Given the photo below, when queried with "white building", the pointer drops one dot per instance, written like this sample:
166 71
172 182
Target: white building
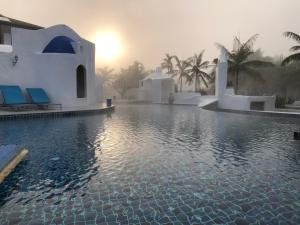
237 102
156 88
55 58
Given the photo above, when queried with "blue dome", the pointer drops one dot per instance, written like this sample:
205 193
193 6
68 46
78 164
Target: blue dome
60 44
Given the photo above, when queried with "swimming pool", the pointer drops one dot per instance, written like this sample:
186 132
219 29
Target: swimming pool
153 164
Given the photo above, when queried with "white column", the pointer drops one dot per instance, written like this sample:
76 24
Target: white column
221 74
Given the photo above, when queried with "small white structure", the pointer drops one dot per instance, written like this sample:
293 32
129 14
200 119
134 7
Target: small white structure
156 87
55 58
237 102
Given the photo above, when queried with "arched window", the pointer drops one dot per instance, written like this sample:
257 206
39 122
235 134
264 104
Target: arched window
60 44
81 82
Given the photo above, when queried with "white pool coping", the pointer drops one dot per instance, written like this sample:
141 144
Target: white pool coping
6 114
277 113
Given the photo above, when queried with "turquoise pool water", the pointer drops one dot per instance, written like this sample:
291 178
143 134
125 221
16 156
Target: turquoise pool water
153 164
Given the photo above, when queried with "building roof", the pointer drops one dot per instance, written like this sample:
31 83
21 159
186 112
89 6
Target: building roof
157 76
18 23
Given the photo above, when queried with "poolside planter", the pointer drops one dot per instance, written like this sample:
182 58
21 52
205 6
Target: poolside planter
108 102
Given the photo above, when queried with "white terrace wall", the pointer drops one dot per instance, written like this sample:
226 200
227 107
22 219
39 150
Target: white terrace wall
55 72
239 102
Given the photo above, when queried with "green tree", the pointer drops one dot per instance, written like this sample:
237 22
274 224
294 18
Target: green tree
296 48
107 75
129 78
239 60
120 84
197 71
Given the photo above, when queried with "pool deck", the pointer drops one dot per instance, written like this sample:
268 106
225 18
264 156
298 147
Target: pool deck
65 111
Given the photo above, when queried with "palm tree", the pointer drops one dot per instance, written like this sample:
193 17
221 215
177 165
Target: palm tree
197 73
296 48
168 64
239 62
181 71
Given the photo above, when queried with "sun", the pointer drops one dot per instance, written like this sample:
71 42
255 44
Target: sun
108 46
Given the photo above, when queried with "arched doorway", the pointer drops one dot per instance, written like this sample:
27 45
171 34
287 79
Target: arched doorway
81 82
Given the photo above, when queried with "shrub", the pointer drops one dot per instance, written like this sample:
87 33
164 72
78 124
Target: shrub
280 102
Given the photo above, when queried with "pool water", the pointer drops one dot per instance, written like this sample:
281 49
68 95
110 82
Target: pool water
153 164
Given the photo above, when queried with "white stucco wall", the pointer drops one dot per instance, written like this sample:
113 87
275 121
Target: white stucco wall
239 102
168 87
221 79
55 72
155 90
144 92
231 101
187 98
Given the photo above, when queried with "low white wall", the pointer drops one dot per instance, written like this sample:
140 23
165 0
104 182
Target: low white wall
6 48
154 90
206 100
240 102
187 98
167 87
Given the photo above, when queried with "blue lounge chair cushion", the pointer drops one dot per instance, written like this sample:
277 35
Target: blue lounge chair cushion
12 95
38 95
8 153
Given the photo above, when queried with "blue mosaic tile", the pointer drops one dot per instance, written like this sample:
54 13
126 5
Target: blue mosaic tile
152 164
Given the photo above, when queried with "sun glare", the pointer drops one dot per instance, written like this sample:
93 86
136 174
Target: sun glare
108 46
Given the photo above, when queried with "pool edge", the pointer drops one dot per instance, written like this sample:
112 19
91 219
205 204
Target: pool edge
55 114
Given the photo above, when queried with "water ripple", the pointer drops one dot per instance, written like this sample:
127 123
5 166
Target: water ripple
156 164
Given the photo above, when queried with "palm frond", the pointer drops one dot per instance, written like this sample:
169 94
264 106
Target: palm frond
177 60
292 35
295 48
220 46
189 80
249 43
205 65
215 61
257 63
205 75
199 57
290 59
237 43
204 81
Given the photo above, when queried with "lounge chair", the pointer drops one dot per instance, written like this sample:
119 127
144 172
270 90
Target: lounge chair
13 98
10 157
40 98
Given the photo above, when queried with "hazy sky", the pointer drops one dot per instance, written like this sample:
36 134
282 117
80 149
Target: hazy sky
148 29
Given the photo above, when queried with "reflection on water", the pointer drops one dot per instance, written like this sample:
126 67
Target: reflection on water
61 156
157 163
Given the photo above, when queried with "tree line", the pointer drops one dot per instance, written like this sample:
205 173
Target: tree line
242 59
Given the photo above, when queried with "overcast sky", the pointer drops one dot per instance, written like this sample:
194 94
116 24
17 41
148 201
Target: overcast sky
150 28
